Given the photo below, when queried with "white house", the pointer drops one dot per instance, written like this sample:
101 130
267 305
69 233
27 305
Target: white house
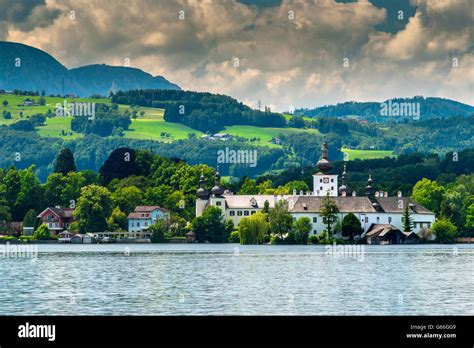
373 209
145 216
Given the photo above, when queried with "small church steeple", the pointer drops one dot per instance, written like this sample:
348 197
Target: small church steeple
369 190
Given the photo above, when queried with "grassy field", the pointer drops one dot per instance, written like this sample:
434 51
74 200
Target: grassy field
264 134
367 154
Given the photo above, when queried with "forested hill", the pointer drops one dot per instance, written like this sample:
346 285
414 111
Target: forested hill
24 67
429 108
202 111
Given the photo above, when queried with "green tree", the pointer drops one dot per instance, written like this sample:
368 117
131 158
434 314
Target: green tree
117 220
249 187
158 231
301 229
265 187
5 103
280 219
65 162
351 226
127 198
445 231
429 194
53 189
407 220
329 212
296 185
253 229
93 208
42 233
30 218
210 226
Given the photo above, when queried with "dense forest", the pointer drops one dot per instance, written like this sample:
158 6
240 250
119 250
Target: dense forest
202 111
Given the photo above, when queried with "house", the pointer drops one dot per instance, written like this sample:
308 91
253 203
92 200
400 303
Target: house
65 237
389 234
375 207
27 102
145 216
81 239
56 218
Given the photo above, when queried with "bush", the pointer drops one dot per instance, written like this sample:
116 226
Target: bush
42 233
26 238
8 238
234 237
444 230
266 239
313 239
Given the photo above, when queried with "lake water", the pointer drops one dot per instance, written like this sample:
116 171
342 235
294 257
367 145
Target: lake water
230 279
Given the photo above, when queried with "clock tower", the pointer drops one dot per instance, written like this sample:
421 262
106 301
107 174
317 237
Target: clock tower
323 181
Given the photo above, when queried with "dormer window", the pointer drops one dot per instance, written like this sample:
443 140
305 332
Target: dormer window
305 207
253 202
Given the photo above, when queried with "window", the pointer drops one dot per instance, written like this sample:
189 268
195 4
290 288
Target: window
239 212
253 212
389 219
332 180
218 203
315 219
366 219
332 187
146 223
315 231
320 180
232 213
246 213
378 219
138 224
133 225
321 188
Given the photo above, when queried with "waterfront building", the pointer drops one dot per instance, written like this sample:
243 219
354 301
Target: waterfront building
56 218
144 216
373 209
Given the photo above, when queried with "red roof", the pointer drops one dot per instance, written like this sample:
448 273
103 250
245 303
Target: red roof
149 208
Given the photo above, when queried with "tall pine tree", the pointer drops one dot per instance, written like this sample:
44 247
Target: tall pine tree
65 162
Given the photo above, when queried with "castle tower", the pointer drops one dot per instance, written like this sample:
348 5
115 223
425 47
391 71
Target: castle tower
344 189
217 191
323 181
203 196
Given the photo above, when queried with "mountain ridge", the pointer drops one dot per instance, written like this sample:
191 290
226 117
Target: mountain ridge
25 67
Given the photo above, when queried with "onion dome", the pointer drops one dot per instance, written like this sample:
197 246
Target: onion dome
369 189
202 192
324 165
343 188
217 190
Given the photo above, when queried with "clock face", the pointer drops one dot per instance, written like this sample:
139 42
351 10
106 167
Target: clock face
326 180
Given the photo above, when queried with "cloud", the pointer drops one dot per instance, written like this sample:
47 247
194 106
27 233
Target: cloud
290 52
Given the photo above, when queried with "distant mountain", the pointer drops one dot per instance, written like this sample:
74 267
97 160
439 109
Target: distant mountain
27 68
428 108
103 78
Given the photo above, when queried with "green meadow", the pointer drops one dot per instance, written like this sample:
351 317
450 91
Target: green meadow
367 154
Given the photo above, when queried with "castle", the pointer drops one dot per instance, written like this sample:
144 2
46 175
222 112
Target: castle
378 213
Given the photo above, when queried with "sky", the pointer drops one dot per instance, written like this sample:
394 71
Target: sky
286 53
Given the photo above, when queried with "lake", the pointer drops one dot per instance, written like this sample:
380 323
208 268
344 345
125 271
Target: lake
231 279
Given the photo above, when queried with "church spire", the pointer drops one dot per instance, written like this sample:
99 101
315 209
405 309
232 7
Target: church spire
324 165
369 190
217 190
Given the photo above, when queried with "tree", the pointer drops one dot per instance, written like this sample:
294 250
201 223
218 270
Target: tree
329 212
5 103
407 220
351 226
30 218
41 101
249 187
158 231
445 231
120 164
429 194
117 220
65 162
42 233
210 226
53 189
301 229
280 219
127 198
253 229
296 185
93 208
